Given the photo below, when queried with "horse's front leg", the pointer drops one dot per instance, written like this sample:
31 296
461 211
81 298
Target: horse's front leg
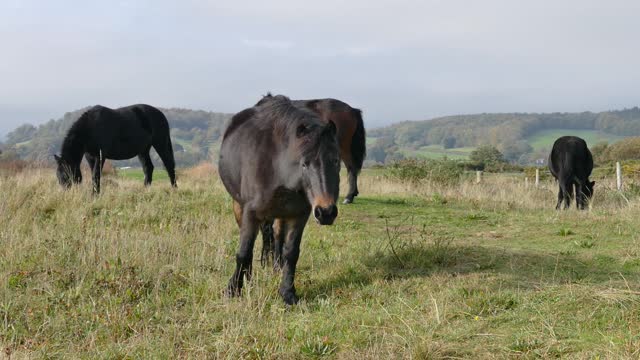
290 254
244 257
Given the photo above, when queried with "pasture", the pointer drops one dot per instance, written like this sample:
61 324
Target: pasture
408 271
544 139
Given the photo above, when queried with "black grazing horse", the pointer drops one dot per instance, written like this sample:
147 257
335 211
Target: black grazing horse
118 134
571 163
278 162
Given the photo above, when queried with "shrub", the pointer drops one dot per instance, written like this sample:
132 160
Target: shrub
442 172
487 155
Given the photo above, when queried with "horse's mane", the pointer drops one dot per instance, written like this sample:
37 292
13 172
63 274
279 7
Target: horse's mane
280 110
285 118
72 143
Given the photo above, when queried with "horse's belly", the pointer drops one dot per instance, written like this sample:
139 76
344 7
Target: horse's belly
124 147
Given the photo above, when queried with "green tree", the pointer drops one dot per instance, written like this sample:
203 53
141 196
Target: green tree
486 155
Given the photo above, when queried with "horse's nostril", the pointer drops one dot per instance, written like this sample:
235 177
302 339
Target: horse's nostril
317 212
332 212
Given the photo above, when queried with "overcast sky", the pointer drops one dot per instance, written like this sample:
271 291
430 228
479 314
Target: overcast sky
397 60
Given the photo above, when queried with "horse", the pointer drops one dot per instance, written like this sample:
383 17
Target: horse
279 163
118 134
571 163
352 144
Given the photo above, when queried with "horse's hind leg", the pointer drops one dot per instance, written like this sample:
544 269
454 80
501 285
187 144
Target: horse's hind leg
353 185
147 167
237 212
244 257
581 198
165 151
279 234
92 160
267 242
560 197
567 193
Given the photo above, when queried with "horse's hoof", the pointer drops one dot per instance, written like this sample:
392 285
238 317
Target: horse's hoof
232 291
347 201
290 298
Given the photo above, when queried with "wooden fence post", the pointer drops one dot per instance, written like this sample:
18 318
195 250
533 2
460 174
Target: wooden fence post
526 182
478 177
537 177
618 176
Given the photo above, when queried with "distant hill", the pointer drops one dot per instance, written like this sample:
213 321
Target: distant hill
195 134
522 137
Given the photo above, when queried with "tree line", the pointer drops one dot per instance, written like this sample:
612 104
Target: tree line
197 134
507 132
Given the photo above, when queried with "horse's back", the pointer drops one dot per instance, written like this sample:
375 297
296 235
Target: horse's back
125 132
570 156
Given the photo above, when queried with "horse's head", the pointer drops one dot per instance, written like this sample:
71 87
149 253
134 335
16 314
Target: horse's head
67 173
587 189
319 163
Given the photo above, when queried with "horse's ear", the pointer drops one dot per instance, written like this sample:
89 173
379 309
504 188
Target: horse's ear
302 130
331 127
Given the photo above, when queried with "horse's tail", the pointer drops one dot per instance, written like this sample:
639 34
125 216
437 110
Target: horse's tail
166 134
358 142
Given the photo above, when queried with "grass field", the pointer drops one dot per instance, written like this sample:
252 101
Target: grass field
544 139
159 174
408 271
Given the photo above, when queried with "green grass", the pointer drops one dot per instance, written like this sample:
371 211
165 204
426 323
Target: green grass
477 271
438 152
544 139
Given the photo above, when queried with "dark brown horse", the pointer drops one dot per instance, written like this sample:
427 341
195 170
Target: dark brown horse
350 132
279 163
352 144
118 134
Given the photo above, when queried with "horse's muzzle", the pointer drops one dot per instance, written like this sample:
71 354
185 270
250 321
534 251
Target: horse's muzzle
325 215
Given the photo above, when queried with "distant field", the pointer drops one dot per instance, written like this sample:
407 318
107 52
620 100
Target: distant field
186 144
544 139
438 152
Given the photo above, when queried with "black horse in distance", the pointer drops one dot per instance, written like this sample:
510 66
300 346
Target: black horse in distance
117 134
571 163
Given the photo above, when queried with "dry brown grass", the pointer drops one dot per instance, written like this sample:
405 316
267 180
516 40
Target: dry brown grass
203 171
